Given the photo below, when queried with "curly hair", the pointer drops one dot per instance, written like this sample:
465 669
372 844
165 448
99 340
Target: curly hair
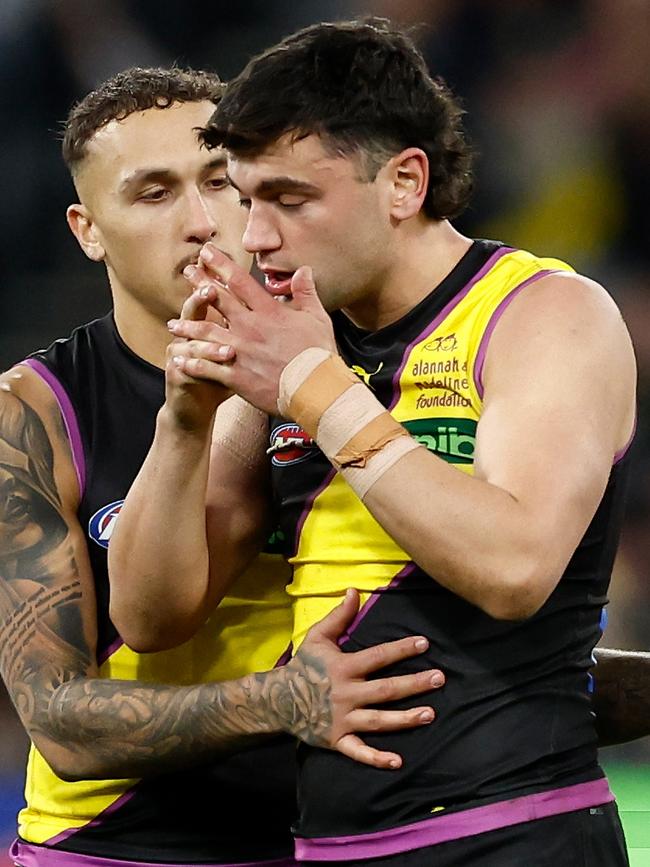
136 89
365 89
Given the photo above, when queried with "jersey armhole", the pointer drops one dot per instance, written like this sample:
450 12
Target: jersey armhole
69 418
492 323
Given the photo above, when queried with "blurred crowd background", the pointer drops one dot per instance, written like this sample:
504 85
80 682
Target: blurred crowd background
558 108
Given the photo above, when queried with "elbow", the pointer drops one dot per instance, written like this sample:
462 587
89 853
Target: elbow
143 634
521 593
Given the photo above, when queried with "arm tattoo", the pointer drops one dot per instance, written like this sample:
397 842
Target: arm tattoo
42 640
109 727
138 728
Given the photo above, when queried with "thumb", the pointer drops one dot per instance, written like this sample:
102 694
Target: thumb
337 621
303 290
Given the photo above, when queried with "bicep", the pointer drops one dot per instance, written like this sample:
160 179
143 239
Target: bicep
47 605
559 403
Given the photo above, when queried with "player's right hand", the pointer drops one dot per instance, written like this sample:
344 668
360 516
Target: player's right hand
190 401
333 699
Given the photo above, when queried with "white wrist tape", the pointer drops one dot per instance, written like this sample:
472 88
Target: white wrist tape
242 430
347 421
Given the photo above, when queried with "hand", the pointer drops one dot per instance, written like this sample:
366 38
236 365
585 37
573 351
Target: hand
263 335
331 694
192 402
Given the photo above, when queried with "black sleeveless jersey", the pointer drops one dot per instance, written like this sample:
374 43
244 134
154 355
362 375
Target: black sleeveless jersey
513 737
238 809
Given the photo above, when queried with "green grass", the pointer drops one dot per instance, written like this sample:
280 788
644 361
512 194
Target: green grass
631 785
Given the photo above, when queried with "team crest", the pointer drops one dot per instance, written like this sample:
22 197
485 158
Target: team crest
102 523
289 445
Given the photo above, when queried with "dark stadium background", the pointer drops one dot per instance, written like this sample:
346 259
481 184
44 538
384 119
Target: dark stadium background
558 100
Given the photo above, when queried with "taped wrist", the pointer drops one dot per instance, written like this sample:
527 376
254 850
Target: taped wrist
360 437
242 430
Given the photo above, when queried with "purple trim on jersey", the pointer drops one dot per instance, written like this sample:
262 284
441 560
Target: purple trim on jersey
454 826
286 656
30 855
107 652
371 601
622 452
99 818
496 315
446 310
69 418
308 507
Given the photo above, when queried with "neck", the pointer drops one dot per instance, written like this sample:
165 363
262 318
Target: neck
144 333
426 252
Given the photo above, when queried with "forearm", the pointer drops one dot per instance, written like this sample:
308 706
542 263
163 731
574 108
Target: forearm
475 538
621 695
159 547
98 728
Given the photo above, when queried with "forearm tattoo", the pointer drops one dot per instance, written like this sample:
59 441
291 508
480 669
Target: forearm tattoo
109 727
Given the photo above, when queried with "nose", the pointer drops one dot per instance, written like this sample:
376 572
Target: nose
201 225
261 234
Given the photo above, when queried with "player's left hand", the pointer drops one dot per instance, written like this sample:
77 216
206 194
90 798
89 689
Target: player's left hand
262 335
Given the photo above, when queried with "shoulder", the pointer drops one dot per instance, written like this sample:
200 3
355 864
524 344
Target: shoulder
564 305
32 430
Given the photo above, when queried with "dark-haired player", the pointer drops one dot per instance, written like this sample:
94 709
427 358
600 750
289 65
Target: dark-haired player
469 483
127 762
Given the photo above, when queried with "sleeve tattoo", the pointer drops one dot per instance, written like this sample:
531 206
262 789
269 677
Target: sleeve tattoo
98 727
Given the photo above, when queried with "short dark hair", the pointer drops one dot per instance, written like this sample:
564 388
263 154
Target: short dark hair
365 89
136 89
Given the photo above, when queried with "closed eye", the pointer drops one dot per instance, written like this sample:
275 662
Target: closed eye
155 195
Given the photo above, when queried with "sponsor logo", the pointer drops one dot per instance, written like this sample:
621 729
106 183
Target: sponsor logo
363 374
102 523
447 343
289 445
453 439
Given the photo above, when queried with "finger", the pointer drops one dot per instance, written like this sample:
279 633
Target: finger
353 747
204 368
337 621
238 281
399 686
303 291
196 304
208 332
380 655
369 720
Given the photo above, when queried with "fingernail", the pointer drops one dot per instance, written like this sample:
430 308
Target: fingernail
172 324
177 359
204 291
437 679
393 763
426 716
206 254
223 351
421 644
189 271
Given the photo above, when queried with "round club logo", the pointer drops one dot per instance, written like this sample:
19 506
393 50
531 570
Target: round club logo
100 526
290 444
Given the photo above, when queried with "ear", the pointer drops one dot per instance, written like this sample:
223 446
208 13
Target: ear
410 180
85 231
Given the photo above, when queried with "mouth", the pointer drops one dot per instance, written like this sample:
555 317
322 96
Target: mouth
278 283
187 260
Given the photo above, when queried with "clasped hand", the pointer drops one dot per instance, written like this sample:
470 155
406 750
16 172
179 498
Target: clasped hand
247 352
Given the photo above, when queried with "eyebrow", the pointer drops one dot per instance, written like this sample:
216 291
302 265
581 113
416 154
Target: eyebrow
154 173
282 184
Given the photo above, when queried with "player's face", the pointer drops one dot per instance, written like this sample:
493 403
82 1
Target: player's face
306 207
155 197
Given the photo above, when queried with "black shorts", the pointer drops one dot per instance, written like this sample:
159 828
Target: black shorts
584 838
